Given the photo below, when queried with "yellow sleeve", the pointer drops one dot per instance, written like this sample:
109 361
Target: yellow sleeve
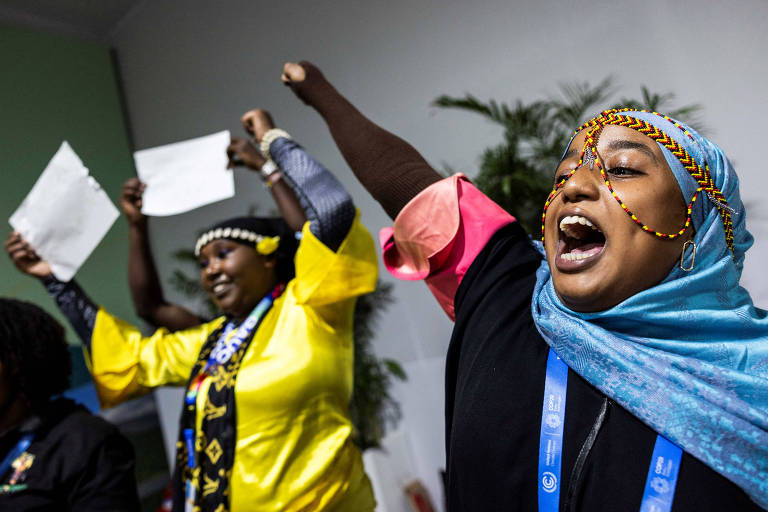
324 276
125 364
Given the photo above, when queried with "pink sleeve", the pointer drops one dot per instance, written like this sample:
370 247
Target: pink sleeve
438 234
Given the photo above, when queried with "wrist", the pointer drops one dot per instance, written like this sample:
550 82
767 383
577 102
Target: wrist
138 224
51 283
268 138
273 178
269 172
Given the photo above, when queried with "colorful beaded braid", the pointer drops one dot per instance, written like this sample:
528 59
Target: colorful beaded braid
701 175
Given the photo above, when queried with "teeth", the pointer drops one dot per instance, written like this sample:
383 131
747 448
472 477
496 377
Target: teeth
217 288
575 219
576 256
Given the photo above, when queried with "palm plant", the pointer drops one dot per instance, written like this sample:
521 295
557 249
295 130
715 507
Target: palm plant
517 173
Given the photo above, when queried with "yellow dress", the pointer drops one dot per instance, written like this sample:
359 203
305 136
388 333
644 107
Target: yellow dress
294 450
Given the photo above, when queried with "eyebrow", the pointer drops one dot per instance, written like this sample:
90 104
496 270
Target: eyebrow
568 154
615 146
628 144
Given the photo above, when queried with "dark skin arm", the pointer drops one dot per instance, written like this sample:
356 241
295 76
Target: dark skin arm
388 167
146 291
24 257
243 152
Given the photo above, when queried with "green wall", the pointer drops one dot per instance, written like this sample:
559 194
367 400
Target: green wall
54 89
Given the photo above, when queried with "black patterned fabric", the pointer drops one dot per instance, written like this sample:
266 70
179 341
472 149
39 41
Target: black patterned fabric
75 304
327 205
216 440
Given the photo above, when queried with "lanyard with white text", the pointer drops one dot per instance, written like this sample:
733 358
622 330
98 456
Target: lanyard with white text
551 437
225 346
15 453
662 472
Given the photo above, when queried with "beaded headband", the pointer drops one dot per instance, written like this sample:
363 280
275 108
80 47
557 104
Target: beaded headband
700 174
264 245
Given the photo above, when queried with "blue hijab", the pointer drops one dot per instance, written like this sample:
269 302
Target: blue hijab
689 356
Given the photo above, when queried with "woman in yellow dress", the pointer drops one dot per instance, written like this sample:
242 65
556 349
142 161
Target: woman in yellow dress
265 424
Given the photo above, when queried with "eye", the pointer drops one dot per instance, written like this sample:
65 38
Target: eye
622 171
202 263
223 252
560 175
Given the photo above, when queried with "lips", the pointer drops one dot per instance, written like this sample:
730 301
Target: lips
580 243
221 288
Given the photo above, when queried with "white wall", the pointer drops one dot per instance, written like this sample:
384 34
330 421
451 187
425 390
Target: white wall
191 68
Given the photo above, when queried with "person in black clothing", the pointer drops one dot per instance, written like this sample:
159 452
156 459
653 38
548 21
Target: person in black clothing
666 382
56 456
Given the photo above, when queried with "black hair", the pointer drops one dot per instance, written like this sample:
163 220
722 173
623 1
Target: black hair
33 352
267 226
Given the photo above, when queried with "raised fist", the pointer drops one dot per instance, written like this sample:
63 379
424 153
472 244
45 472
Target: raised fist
24 256
305 80
243 152
130 200
257 122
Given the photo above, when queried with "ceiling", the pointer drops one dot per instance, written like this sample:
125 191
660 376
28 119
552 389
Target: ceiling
90 20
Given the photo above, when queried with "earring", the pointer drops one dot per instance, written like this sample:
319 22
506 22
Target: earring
693 255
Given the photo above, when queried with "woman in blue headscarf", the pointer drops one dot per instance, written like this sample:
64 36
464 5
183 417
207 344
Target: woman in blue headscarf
615 365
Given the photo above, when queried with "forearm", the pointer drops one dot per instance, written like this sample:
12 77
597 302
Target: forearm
288 204
75 305
142 274
144 282
387 166
324 200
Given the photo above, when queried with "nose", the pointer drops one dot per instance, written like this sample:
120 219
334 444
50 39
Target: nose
212 270
583 185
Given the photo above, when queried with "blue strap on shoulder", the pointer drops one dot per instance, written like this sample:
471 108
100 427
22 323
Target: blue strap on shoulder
662 476
551 437
15 453
662 472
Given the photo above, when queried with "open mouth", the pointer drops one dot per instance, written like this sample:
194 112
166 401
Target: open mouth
580 241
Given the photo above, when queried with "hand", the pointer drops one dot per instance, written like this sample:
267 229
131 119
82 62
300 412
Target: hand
257 122
305 80
293 73
243 152
24 256
131 199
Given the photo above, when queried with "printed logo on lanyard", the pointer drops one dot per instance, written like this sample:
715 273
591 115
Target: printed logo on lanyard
227 346
662 472
551 438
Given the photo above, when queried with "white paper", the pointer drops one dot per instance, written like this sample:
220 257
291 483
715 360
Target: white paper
65 215
185 175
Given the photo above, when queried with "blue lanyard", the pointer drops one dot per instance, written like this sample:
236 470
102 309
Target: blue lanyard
662 476
662 472
226 347
223 350
15 452
551 438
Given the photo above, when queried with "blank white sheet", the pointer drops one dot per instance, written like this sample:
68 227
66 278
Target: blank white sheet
185 175
65 215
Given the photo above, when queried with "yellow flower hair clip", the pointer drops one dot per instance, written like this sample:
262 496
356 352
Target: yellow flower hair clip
268 245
